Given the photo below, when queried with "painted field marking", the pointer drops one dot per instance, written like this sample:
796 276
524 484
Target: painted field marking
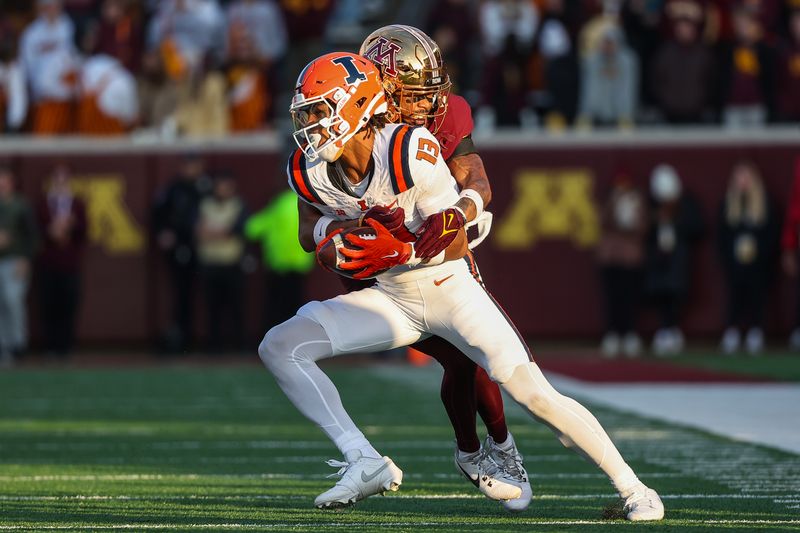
453 496
369 525
195 476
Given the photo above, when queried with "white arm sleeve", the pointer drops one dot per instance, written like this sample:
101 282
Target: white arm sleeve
438 189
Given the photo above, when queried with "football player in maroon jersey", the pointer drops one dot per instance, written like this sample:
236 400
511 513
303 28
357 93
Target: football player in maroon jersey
418 91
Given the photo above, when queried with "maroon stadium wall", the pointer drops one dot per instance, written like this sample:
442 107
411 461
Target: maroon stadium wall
538 260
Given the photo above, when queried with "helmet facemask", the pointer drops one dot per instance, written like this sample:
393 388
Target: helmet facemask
324 123
406 105
317 125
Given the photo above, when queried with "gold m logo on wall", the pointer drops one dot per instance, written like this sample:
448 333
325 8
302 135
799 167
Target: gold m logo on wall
111 224
550 204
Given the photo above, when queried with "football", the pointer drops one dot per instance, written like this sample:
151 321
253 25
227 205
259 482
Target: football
329 256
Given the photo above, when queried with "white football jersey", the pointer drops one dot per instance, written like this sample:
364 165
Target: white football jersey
409 172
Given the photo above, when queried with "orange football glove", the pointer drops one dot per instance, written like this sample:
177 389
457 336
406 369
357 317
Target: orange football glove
393 219
437 232
375 255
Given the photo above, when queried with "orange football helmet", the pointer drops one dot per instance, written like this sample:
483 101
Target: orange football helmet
413 71
335 96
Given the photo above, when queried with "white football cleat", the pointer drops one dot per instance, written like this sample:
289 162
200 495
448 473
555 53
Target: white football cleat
480 470
361 478
643 504
509 462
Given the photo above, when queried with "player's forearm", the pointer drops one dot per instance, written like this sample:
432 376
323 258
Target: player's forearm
469 173
309 218
458 248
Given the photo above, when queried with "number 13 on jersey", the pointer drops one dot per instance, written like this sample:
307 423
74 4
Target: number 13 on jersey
427 150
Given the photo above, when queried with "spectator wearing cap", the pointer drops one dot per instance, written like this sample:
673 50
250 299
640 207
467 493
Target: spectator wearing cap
747 73
675 225
49 58
621 255
220 250
682 73
609 82
747 244
62 217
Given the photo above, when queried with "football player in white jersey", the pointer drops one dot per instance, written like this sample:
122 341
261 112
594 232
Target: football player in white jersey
417 89
349 155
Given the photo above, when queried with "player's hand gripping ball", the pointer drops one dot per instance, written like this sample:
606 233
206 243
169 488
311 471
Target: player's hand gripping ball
362 252
393 219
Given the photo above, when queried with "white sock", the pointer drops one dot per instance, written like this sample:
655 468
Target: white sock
506 444
462 455
356 441
626 485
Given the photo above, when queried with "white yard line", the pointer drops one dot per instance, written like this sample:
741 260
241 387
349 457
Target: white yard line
371 525
789 498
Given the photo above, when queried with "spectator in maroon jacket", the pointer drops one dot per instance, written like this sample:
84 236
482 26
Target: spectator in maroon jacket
682 72
120 34
62 217
747 73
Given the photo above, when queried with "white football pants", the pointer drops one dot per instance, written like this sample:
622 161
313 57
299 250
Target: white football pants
447 301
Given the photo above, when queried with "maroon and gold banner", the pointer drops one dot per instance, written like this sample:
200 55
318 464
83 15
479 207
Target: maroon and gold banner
538 261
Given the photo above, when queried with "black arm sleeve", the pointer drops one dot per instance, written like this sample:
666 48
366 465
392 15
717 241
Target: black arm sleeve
465 147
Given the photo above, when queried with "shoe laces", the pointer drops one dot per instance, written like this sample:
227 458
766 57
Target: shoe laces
509 462
341 465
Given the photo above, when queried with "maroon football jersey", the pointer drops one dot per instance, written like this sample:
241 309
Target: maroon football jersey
456 124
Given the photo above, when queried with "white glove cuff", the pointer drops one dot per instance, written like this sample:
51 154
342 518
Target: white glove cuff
321 228
476 198
436 260
414 260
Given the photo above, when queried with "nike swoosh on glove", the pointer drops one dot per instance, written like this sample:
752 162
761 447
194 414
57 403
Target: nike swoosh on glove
437 232
375 254
393 219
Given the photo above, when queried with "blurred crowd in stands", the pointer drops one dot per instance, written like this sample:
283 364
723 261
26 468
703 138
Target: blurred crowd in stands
211 67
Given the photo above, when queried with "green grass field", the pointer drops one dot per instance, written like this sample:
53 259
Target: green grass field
220 448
